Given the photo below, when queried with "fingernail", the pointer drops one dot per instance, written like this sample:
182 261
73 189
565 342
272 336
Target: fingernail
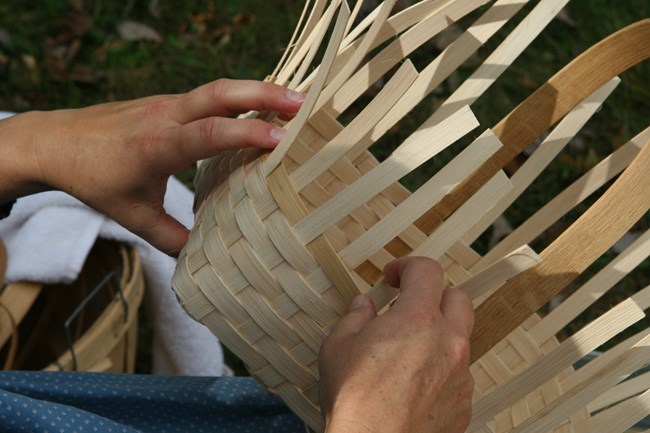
358 301
277 134
294 96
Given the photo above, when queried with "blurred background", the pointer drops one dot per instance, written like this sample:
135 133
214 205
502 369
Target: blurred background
73 53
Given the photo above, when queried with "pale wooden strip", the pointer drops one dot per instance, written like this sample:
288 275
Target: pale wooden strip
593 290
356 58
593 366
501 58
296 287
451 230
566 354
419 202
288 246
288 367
254 231
620 418
404 45
570 197
307 172
317 42
230 335
295 210
352 35
497 274
315 24
463 254
617 210
396 24
416 150
620 392
353 18
438 70
548 105
539 160
393 27
642 298
301 119
292 42
560 409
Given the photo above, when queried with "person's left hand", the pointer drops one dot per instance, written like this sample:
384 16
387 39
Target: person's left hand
117 157
406 370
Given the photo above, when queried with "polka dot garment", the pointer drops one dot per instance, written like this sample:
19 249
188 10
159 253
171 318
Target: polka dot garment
61 402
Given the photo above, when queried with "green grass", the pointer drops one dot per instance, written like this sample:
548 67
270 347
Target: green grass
205 40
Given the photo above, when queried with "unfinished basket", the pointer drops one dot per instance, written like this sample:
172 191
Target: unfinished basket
283 241
89 325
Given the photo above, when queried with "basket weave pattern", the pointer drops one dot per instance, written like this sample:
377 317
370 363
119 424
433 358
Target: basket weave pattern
282 242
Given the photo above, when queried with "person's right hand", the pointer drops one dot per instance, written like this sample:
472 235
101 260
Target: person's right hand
118 157
406 370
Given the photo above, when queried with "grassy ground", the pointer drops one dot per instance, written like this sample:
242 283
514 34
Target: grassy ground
58 53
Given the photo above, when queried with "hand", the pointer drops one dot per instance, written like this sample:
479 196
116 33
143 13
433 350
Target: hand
117 157
406 370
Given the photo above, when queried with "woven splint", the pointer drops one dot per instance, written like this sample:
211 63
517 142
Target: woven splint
283 241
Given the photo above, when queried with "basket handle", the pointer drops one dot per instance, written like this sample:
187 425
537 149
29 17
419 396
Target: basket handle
619 208
576 81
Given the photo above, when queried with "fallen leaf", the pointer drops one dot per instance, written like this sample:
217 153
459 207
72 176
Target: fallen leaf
242 19
134 31
32 67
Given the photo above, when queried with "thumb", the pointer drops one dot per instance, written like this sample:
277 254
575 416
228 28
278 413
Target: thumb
158 228
360 312
169 236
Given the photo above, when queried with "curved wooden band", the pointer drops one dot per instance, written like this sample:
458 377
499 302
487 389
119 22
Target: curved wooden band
579 79
603 224
613 215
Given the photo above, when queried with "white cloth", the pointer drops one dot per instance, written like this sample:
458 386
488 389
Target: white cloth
69 229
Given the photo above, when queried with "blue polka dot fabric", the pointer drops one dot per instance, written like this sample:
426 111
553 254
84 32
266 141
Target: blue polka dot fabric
62 402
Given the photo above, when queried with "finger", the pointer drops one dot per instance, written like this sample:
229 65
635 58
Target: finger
360 312
457 308
158 228
207 137
231 97
420 280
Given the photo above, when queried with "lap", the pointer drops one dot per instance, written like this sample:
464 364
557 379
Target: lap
97 402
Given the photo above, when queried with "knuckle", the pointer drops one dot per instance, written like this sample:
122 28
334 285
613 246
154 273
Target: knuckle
427 262
219 88
150 143
156 106
210 130
459 352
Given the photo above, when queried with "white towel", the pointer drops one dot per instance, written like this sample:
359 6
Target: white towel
69 229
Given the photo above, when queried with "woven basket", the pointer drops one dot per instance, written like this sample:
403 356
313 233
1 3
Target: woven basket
283 241
89 325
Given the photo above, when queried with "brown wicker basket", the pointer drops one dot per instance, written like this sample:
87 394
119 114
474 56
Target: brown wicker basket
89 325
283 241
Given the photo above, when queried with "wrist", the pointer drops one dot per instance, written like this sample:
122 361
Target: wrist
365 420
20 156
